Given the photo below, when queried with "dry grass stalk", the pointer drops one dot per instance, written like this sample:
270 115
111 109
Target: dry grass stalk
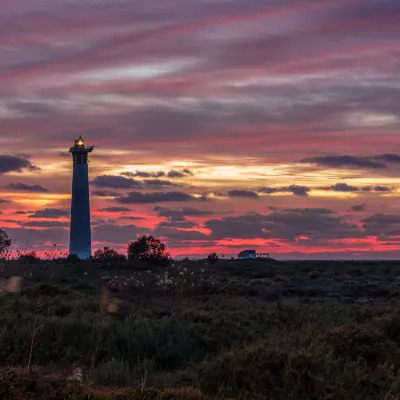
35 331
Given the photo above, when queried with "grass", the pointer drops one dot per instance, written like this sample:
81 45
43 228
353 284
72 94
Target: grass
231 330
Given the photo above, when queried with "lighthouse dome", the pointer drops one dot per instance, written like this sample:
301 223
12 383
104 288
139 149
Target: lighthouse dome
79 141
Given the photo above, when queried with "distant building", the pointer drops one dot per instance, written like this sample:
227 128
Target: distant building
246 254
251 254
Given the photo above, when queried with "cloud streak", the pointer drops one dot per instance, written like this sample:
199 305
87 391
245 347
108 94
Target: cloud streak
28 188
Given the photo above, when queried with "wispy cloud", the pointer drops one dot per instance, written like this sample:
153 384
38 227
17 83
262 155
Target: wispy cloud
27 188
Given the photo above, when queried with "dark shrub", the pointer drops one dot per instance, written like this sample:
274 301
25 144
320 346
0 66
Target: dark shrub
148 249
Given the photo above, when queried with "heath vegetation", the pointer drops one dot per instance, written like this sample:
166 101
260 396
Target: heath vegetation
147 327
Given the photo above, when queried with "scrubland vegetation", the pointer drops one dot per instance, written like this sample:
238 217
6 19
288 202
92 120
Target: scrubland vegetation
199 330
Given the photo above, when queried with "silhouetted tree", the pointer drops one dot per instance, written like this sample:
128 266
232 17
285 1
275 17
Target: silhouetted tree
212 258
148 249
29 257
5 243
107 255
72 258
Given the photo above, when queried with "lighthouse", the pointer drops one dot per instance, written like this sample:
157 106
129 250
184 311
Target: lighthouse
80 239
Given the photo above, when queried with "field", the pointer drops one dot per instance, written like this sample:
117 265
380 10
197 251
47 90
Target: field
230 330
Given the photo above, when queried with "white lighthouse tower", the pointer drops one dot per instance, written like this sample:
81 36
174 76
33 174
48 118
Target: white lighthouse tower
80 239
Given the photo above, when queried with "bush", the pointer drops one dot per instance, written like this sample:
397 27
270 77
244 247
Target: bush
71 259
118 373
184 393
170 343
150 250
5 243
29 258
294 369
107 255
363 344
212 258
16 385
114 373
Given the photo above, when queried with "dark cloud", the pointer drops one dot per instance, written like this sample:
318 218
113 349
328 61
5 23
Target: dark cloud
297 190
46 224
156 197
2 201
173 234
123 182
268 190
343 161
158 183
51 213
179 174
113 234
189 244
115 209
130 217
115 182
181 212
284 224
176 218
177 224
390 158
341 187
144 174
376 189
38 237
380 188
358 207
23 212
242 193
28 188
384 225
367 188
309 211
104 193
15 164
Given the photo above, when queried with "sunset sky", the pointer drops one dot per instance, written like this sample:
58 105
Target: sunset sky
221 125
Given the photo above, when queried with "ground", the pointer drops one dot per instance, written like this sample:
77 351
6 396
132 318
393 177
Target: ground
251 329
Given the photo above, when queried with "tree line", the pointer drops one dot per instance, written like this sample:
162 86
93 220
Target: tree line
146 248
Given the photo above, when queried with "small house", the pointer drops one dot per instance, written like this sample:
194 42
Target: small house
247 254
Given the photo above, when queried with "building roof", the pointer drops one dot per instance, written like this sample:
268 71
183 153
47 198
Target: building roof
247 251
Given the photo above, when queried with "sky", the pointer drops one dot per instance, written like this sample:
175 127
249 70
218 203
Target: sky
221 125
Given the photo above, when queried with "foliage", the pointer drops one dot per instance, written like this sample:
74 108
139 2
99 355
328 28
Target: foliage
16 385
29 257
119 373
148 249
212 258
241 330
5 243
114 373
295 369
107 254
72 258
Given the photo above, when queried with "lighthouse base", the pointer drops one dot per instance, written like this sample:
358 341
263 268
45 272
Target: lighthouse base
80 234
82 255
